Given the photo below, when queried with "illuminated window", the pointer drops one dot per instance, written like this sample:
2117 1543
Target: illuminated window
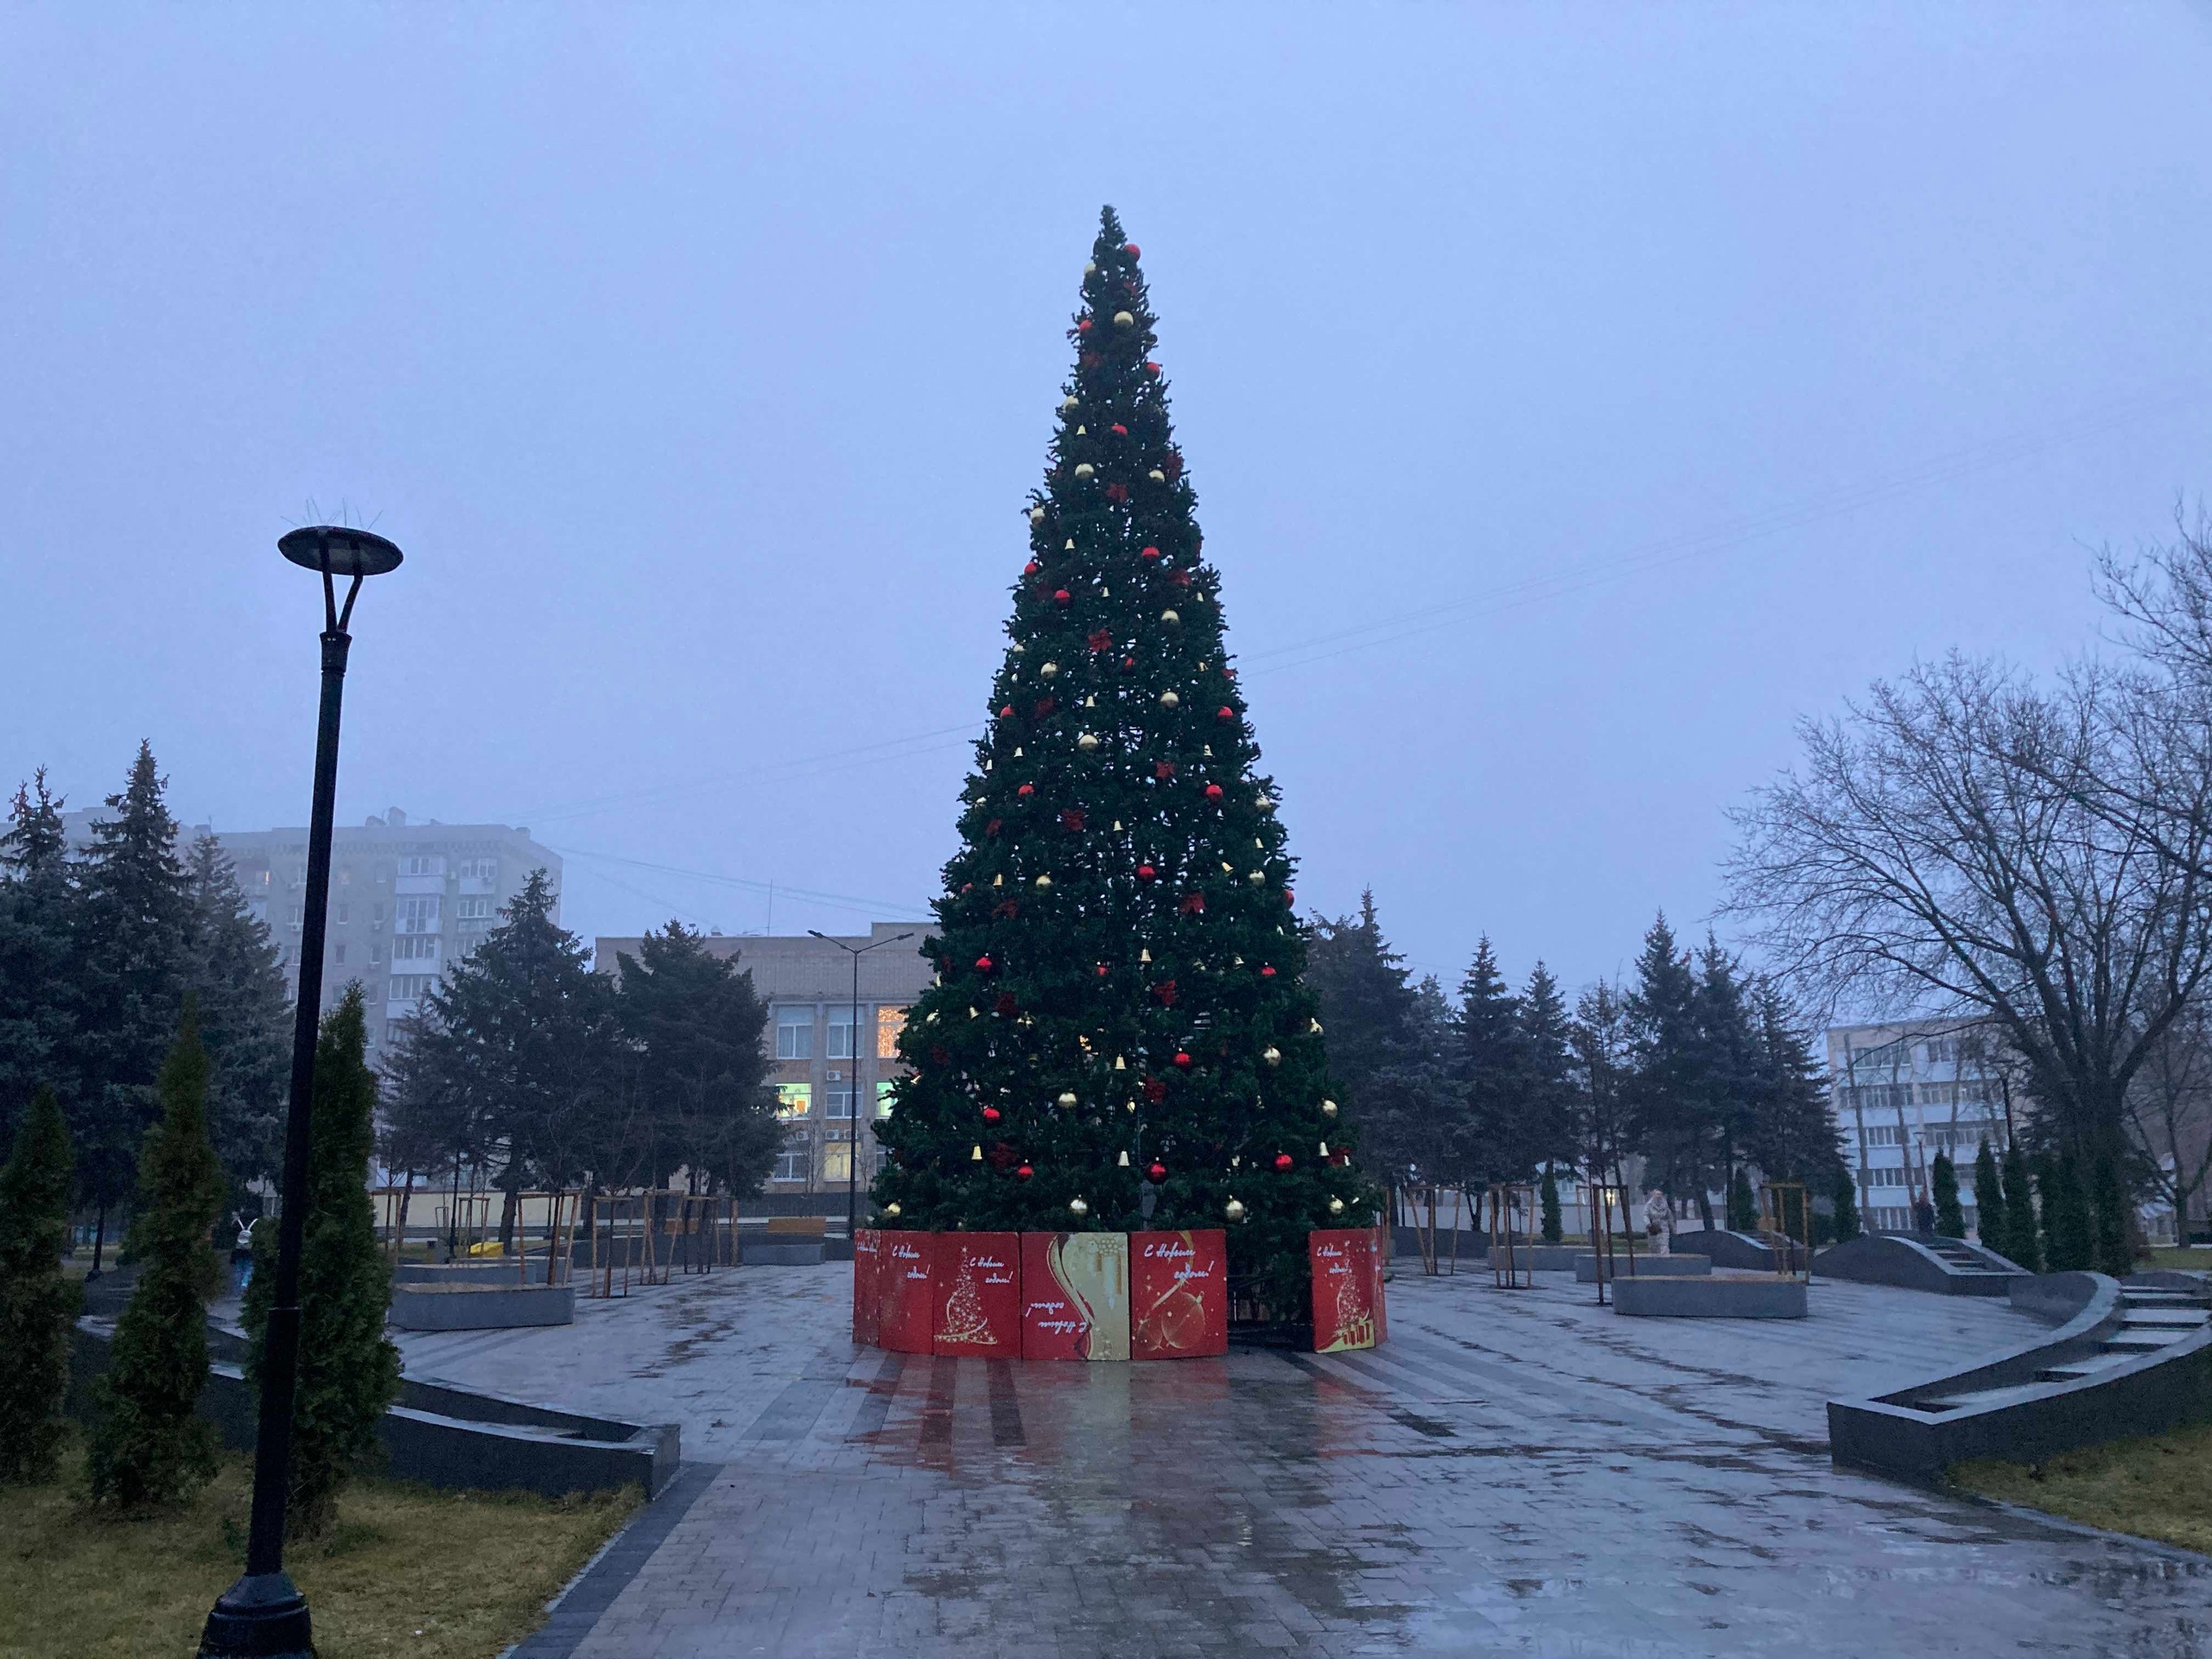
889 1022
794 1034
794 1099
837 1163
883 1098
841 1032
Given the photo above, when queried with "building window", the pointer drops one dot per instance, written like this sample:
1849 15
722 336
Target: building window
794 1034
424 864
883 1098
345 914
841 1032
839 1097
406 987
375 955
345 876
468 909
837 1162
415 947
418 915
889 1022
794 1099
479 869
790 1164
338 954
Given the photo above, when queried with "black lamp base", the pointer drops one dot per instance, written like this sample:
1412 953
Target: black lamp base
263 1616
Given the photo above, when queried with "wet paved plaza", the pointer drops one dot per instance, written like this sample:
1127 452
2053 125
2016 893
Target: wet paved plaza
1513 1473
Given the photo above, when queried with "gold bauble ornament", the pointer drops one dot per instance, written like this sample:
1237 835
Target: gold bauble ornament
1070 402
1043 880
1124 319
1258 877
1067 1096
1050 670
1234 1210
1077 1207
1335 1206
1328 1109
1169 700
1264 804
1083 470
893 1209
1157 476
1091 268
1087 742
1036 515
1171 618
1274 1056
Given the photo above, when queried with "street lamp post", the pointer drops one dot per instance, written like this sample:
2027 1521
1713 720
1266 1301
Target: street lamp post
853 1123
264 1616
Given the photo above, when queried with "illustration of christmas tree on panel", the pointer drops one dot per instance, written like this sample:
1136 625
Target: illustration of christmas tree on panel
1119 1036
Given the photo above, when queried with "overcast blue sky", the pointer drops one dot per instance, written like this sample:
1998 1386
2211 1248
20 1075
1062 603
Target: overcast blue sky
1575 394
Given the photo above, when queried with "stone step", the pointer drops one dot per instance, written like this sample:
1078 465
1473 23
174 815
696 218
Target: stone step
2165 1318
2141 1342
2090 1365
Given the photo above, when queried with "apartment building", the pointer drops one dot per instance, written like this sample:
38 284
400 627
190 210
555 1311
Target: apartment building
831 1076
407 899
1901 1094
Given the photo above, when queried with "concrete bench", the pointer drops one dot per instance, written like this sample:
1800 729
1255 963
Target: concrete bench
790 1242
1647 1267
1710 1298
480 1306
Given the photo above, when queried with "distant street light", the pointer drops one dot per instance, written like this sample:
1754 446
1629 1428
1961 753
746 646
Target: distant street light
264 1616
853 1123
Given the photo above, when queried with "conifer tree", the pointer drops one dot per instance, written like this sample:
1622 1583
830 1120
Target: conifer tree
147 1447
1743 1204
39 959
1989 1201
1493 1071
2110 1219
2066 1245
694 1025
231 962
1121 997
1943 1180
1548 1196
2023 1245
1548 1068
1845 1192
136 925
348 1368
38 1306
1666 1089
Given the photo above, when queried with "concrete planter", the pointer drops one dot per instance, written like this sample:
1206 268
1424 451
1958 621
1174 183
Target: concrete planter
773 1252
466 1273
481 1307
1710 1298
1647 1267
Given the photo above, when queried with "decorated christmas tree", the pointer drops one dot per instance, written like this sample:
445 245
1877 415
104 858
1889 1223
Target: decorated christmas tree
1119 1036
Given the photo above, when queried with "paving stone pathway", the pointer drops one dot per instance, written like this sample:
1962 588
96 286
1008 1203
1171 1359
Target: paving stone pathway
1514 1472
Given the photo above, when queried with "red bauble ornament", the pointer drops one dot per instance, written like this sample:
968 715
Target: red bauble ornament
1145 873
1158 1172
1007 713
1102 970
967 888
984 964
1128 664
1121 431
1181 578
1030 569
1061 596
990 1113
1149 553
1082 325
1026 791
1131 249
1183 1059
1045 706
1213 791
1267 972
1282 1160
1151 367
1024 1173
1288 897
1225 713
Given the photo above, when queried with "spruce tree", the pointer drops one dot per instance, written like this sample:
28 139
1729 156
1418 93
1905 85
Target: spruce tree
2022 1245
39 958
1666 1089
1121 996
231 962
2109 1218
1989 1201
348 1368
1548 1196
1493 1071
1548 1088
1845 1192
147 1447
695 1024
38 1306
133 950
1943 1179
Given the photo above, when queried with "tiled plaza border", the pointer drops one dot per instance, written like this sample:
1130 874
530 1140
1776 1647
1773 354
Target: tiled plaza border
2180 1554
570 1616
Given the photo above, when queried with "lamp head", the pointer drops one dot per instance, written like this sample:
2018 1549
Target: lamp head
342 551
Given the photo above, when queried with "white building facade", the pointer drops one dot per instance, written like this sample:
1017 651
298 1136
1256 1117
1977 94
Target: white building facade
1901 1094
